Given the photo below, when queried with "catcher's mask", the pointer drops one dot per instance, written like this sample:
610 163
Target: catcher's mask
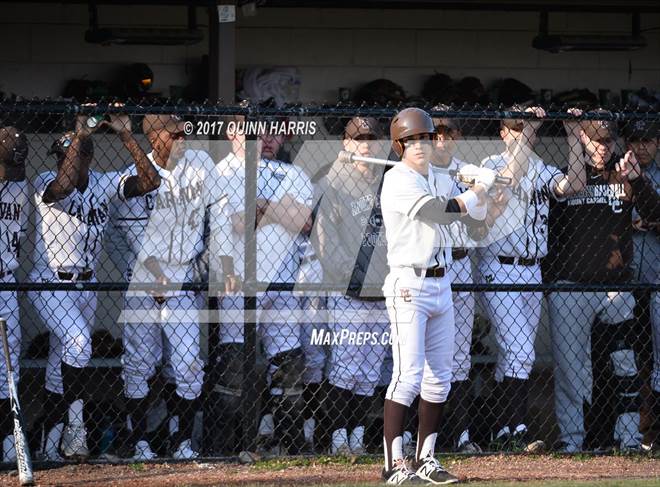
13 152
409 122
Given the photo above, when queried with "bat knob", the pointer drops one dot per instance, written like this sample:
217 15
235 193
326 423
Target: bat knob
345 157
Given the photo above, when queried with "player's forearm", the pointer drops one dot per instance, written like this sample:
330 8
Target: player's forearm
576 176
153 266
290 214
67 174
517 162
148 178
440 211
647 200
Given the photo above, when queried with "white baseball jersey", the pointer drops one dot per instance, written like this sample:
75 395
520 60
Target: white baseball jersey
233 168
13 217
69 233
129 219
411 242
528 210
174 234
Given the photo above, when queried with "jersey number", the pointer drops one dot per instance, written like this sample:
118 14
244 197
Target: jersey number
14 242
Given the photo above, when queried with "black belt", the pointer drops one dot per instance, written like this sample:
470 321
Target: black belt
430 272
517 261
458 253
78 276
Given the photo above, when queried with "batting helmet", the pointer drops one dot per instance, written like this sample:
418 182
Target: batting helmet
61 145
13 152
409 122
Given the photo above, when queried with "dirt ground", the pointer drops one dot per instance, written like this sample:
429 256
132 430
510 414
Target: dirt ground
492 468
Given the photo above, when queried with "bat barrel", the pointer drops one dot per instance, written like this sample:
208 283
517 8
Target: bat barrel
349 157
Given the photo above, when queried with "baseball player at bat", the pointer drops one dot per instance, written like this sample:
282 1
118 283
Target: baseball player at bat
642 138
594 246
164 325
13 217
72 210
515 258
417 209
350 241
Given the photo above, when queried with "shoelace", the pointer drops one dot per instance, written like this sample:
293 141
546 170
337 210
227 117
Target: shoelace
436 464
400 466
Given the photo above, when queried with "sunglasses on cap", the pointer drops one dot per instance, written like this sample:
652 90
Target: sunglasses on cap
365 137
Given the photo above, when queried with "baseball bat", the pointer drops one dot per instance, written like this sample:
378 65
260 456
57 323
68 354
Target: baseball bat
23 460
349 157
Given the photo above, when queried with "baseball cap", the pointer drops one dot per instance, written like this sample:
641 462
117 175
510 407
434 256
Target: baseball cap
451 123
358 126
13 152
641 129
514 123
598 129
158 122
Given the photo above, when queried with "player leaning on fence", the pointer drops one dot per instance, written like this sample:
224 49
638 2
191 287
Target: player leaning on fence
594 245
72 206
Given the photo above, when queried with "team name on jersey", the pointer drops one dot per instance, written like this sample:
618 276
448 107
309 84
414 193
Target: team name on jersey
601 194
538 196
364 203
96 215
10 211
187 194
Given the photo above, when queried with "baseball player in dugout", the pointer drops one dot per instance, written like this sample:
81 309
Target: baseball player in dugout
445 144
350 242
417 209
163 325
284 196
641 137
72 209
14 204
515 258
594 232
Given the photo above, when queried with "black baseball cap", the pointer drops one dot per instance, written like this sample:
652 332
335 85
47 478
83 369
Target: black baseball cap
641 130
13 152
361 126
450 123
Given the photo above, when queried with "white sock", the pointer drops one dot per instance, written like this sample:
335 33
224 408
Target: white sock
397 451
52 441
308 429
173 425
428 447
267 425
356 440
76 413
521 428
339 438
464 438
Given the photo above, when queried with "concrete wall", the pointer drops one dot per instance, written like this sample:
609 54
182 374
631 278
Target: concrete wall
332 48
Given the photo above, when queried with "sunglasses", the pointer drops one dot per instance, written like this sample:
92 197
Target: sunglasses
365 137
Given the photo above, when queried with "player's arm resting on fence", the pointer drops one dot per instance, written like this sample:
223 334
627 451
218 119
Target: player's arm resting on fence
575 179
517 158
147 178
291 209
67 173
645 195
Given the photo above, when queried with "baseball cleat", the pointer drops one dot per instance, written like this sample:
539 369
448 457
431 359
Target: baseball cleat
401 474
143 452
74 442
185 451
469 447
430 470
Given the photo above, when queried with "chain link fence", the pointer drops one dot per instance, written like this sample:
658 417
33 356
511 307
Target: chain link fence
198 280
